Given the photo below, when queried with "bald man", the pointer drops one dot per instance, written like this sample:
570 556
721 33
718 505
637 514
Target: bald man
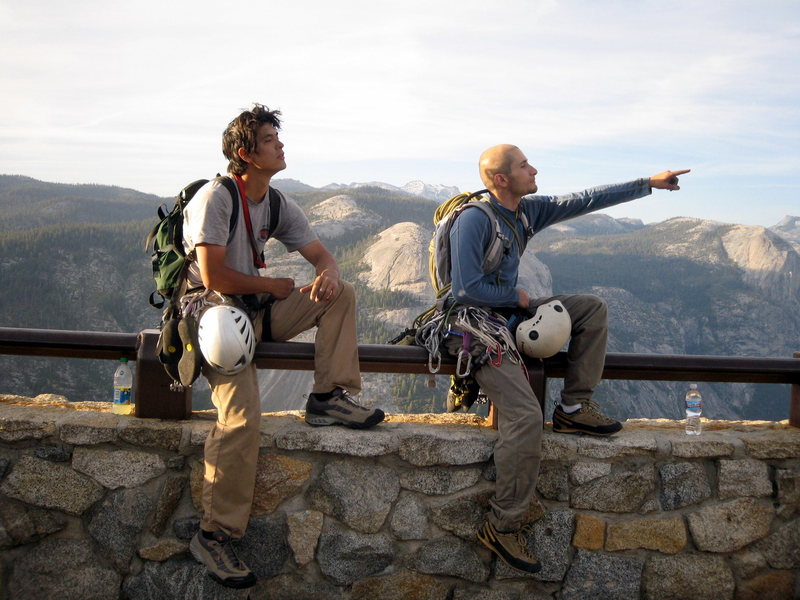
511 180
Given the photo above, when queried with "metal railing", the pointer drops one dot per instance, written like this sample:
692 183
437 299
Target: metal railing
155 399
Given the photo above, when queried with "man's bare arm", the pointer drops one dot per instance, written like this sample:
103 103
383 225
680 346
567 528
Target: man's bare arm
219 277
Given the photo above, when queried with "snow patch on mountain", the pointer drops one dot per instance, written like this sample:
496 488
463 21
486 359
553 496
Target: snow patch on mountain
597 224
436 192
376 184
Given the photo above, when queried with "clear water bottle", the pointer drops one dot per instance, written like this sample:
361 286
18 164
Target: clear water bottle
694 408
123 382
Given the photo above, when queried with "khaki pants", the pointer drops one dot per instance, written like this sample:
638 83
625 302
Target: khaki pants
517 452
231 449
586 354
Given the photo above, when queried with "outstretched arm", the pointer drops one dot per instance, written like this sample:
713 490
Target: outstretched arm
667 180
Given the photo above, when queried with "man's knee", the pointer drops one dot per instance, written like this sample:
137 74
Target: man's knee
347 292
598 306
586 309
526 415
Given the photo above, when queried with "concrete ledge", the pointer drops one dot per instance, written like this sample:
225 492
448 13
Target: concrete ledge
94 501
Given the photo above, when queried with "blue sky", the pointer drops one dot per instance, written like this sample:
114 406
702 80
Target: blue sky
136 94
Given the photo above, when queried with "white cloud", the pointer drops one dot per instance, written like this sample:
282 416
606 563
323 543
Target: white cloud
137 94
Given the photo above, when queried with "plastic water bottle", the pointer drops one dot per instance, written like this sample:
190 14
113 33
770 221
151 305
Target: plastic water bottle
123 382
694 408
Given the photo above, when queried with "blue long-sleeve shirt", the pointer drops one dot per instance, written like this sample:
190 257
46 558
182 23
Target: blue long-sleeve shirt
469 238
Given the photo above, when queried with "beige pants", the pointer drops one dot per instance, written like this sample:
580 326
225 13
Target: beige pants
517 452
231 449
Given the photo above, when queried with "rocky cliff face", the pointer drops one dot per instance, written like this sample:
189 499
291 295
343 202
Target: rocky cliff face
768 262
398 261
789 229
340 215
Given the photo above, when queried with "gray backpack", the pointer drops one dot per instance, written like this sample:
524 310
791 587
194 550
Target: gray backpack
439 262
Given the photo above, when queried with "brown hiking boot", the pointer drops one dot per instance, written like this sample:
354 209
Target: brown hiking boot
512 547
588 419
219 557
340 408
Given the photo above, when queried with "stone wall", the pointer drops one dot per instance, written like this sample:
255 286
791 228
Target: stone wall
97 506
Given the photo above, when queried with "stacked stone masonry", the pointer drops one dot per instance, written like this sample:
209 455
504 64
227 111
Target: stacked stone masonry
99 506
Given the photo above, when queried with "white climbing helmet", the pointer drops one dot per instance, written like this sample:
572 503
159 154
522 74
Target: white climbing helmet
227 339
546 332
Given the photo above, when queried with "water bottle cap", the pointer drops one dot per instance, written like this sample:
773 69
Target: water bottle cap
123 359
692 386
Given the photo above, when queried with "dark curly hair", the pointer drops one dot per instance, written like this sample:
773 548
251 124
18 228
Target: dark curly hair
241 133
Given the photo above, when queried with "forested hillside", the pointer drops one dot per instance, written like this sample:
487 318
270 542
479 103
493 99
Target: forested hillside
26 203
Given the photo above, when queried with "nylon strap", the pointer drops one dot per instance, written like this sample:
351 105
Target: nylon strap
257 262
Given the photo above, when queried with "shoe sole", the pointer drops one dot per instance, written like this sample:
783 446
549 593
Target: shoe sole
594 433
323 421
191 360
237 585
170 348
557 428
509 560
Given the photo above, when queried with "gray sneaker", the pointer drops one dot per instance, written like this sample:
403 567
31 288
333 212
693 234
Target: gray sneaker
220 559
512 547
340 409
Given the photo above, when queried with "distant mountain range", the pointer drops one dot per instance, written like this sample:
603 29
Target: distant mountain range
72 257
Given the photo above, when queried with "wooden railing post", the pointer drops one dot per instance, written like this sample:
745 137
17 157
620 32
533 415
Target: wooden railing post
794 401
153 397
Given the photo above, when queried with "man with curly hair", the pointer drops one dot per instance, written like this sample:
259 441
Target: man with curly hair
231 264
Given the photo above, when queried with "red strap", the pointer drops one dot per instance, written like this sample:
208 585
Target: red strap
257 262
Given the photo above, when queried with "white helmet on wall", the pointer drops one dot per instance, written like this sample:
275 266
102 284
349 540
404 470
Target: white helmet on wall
227 340
546 332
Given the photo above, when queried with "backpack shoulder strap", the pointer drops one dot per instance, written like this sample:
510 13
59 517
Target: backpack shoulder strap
274 209
230 185
495 251
485 207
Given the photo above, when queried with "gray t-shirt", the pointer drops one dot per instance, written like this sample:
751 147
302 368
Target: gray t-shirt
207 217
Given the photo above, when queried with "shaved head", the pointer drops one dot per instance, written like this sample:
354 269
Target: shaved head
497 159
506 173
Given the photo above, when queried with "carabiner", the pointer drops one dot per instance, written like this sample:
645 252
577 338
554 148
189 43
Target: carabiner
438 366
498 352
461 355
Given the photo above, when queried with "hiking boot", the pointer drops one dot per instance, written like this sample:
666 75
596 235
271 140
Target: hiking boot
587 419
463 393
512 547
191 360
340 408
219 557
